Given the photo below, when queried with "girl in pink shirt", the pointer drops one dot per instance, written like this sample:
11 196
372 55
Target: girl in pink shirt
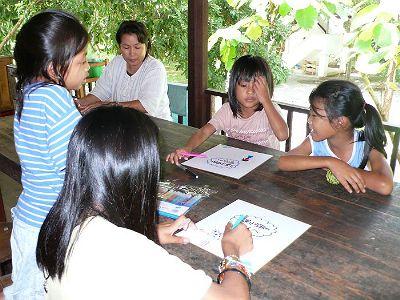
250 115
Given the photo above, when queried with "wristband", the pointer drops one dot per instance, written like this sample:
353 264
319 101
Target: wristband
232 263
221 276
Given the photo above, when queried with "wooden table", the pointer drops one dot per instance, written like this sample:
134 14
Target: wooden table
352 250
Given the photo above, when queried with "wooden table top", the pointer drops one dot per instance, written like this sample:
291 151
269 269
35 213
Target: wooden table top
351 251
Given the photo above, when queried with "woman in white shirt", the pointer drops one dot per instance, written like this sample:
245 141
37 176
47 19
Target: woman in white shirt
134 78
101 239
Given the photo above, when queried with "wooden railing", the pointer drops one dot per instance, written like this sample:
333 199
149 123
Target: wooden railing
291 108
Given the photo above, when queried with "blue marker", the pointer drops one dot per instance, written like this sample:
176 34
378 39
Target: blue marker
238 221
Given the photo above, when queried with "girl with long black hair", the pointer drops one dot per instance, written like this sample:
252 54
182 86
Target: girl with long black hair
346 135
50 53
101 239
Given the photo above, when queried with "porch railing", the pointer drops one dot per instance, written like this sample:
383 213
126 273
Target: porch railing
291 108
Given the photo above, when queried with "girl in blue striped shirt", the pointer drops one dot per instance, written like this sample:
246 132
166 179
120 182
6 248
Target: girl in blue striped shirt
50 53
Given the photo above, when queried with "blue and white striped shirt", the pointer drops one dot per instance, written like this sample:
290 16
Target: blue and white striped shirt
41 139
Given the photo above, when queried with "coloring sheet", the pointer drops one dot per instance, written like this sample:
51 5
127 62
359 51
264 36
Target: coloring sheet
228 161
272 232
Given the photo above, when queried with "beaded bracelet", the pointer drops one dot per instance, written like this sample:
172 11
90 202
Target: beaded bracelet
232 261
221 276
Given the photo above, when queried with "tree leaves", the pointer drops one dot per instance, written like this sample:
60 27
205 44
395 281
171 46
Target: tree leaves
254 31
284 9
306 17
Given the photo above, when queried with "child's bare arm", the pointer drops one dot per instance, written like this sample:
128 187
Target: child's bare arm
380 178
298 159
194 141
278 124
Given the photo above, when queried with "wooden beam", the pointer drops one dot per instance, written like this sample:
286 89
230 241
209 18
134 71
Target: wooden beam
198 106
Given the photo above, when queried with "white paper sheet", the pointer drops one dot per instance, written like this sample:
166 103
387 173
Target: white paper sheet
228 161
272 232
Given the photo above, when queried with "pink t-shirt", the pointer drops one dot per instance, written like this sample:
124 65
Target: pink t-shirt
255 129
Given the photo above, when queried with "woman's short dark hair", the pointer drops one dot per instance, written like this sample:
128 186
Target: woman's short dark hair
50 38
342 98
112 171
134 27
246 68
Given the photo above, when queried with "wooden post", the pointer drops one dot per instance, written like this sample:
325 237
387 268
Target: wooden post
6 103
198 106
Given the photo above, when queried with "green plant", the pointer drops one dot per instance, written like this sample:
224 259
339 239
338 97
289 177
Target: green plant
269 44
164 18
265 21
375 45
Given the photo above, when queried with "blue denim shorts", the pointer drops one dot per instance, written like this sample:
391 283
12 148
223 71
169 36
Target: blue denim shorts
27 279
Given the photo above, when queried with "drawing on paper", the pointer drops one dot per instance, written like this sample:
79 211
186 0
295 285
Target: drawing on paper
228 161
271 231
221 162
260 227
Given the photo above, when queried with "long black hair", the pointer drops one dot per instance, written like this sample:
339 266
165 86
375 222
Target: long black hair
112 171
134 27
344 98
246 68
50 38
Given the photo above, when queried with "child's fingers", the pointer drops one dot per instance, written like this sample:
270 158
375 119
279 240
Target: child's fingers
228 227
345 184
176 159
358 183
354 184
170 158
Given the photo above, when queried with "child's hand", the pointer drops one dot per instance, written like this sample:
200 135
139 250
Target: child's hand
236 241
261 90
174 157
166 231
348 176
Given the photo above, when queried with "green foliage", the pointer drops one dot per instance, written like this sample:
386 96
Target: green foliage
166 21
330 6
263 28
376 38
284 9
306 17
263 36
254 31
